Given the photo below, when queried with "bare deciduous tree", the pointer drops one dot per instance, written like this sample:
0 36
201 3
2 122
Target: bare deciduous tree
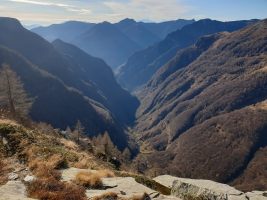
79 131
126 155
13 97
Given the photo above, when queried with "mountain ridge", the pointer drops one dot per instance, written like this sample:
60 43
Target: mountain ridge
206 103
140 66
130 36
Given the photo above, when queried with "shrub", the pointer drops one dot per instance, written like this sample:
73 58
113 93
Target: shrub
57 162
52 189
145 196
46 172
107 196
105 173
3 173
42 170
89 180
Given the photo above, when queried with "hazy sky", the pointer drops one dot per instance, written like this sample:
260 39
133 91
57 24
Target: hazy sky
55 11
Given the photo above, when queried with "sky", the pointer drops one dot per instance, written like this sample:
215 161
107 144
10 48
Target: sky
45 12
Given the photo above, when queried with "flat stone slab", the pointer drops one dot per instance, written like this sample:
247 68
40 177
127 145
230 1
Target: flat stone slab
124 187
257 195
165 180
13 190
168 181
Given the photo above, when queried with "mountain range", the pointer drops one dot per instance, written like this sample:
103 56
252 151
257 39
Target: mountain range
143 64
112 42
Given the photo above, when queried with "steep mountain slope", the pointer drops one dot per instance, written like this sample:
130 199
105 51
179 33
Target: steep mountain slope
106 41
137 32
207 103
143 64
66 31
96 74
69 71
53 101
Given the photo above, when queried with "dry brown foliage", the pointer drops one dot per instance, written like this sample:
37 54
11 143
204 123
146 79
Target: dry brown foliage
42 169
69 144
107 196
145 196
105 173
3 173
255 175
52 189
89 180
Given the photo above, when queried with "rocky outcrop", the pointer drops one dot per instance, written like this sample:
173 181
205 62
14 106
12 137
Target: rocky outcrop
125 187
205 189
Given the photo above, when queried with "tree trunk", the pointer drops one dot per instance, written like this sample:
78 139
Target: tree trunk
10 98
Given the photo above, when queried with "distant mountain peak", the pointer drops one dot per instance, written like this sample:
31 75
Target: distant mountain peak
105 23
57 41
10 23
128 21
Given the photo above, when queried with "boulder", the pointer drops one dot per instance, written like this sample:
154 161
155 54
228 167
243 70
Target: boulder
13 176
186 188
199 189
165 180
29 178
205 189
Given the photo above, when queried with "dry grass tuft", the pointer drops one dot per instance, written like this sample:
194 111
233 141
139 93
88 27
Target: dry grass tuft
46 172
3 173
52 189
42 169
56 161
107 196
89 180
145 196
105 173
9 122
84 163
69 144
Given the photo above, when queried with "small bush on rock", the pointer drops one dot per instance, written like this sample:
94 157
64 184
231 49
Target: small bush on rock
89 180
52 189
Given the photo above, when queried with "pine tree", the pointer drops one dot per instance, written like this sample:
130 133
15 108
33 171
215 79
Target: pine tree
13 97
108 144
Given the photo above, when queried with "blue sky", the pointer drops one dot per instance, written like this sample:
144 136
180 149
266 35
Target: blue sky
55 11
